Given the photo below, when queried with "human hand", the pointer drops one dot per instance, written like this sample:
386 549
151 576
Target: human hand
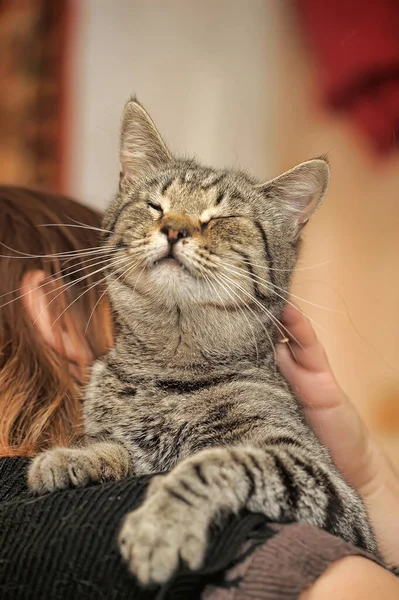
353 578
336 423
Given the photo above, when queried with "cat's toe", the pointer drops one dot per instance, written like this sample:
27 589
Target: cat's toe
156 537
151 558
193 549
59 468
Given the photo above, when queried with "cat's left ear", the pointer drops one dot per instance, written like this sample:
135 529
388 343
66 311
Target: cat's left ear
299 191
141 146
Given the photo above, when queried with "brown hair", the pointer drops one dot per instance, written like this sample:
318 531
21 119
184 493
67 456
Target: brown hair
40 399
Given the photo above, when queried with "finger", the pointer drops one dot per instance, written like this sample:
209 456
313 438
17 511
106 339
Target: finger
314 389
327 409
305 346
336 423
341 430
299 327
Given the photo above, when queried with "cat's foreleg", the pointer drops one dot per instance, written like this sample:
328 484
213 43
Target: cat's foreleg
279 482
61 468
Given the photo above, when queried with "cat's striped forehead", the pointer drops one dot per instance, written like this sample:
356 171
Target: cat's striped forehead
199 191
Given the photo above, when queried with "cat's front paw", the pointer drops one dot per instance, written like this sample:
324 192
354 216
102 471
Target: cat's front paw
62 468
163 531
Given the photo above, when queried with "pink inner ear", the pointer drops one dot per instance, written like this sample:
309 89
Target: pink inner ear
304 188
141 146
306 207
300 190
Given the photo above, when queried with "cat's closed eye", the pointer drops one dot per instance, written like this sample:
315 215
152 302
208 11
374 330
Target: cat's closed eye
223 217
214 219
156 207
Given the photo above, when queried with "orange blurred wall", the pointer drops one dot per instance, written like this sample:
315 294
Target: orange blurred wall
356 235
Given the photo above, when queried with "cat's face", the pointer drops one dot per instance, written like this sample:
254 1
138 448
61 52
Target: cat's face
193 235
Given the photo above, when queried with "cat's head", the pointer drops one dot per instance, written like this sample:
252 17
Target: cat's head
189 235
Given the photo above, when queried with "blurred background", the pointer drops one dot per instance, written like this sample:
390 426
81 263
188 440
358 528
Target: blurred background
263 84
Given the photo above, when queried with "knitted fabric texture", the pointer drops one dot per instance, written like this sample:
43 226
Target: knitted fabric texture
63 545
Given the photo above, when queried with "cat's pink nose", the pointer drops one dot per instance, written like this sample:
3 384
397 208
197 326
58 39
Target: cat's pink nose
174 235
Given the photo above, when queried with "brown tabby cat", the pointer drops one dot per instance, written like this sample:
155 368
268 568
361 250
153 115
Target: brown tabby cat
200 272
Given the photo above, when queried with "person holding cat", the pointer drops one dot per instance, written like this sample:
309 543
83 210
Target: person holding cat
47 262
203 260
44 364
357 455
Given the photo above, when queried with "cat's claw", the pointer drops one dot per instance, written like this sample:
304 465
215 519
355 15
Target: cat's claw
162 531
61 468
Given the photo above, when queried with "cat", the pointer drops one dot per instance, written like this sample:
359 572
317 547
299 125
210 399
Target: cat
200 272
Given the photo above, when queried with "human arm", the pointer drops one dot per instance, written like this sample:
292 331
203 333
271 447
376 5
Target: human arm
339 427
353 578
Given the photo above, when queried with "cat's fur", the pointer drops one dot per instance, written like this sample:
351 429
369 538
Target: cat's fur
191 386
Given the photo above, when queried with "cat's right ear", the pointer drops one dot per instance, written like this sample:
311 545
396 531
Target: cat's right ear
141 147
299 192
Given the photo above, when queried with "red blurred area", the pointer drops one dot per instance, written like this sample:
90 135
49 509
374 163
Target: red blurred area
357 48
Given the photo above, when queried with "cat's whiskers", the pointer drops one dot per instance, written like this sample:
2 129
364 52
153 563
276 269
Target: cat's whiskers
274 319
315 323
77 226
64 262
109 285
270 283
263 266
96 304
51 280
76 299
113 251
78 223
254 315
240 308
277 323
138 277
64 270
216 292
226 282
245 275
67 286
91 286
82 294
85 224
67 254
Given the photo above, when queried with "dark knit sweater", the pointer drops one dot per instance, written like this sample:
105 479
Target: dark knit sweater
63 545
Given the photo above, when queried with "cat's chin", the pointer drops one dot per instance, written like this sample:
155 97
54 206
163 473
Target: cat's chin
169 262
170 271
175 282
